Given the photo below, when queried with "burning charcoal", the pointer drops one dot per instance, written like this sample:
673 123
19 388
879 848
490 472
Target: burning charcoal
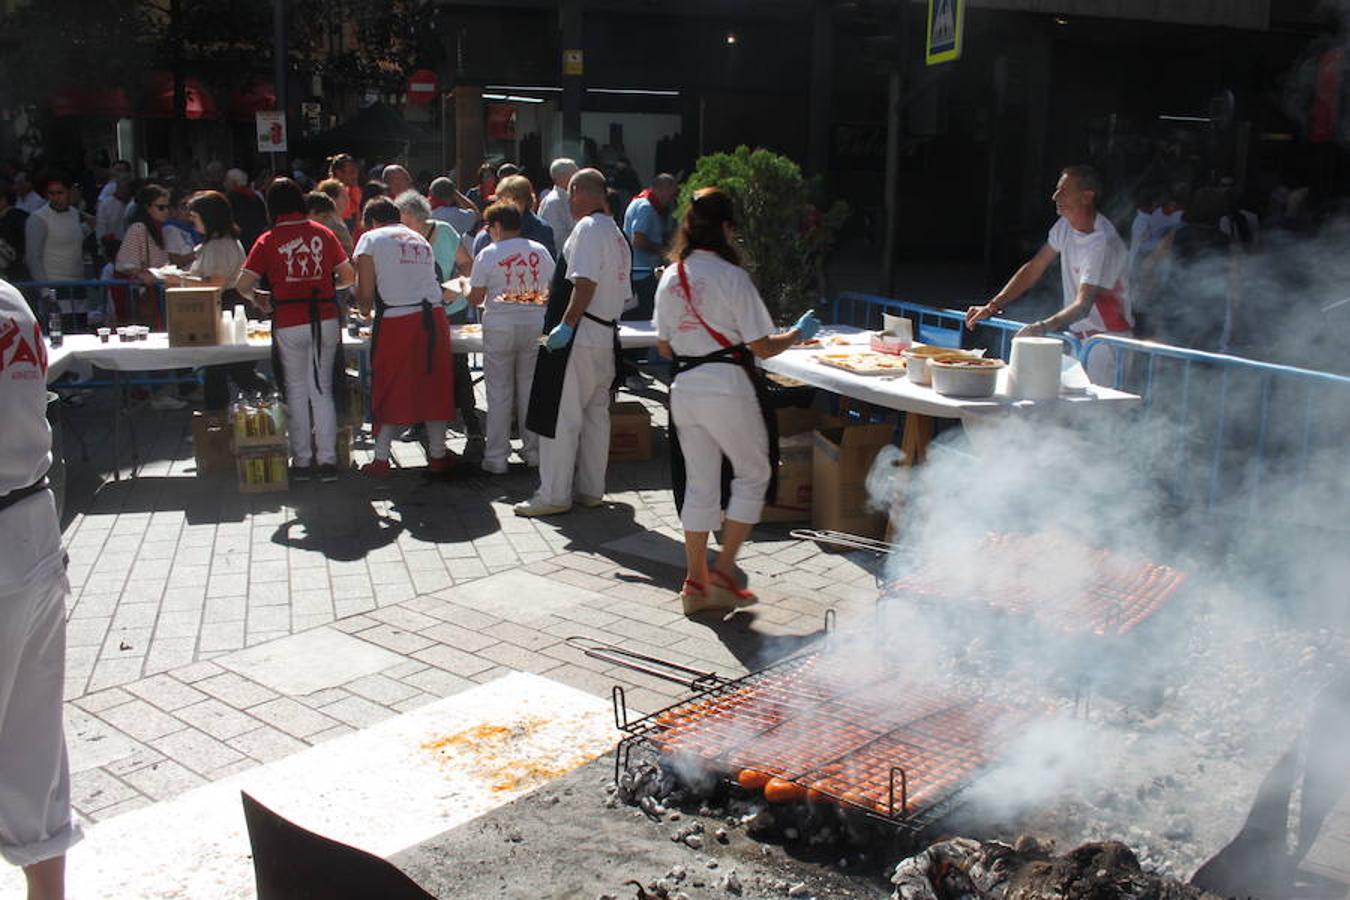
611 802
675 816
653 809
712 863
662 887
694 842
677 874
721 835
790 833
731 883
798 890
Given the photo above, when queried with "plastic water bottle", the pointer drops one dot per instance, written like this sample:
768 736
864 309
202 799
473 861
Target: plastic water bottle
54 334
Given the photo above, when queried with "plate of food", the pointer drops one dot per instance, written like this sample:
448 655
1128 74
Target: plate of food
471 328
524 298
823 340
863 362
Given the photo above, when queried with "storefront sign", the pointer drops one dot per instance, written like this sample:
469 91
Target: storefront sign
574 62
946 22
271 131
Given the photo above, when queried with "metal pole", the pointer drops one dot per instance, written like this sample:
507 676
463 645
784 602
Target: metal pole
895 102
279 69
570 12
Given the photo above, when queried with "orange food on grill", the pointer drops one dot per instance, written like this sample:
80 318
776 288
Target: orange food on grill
752 780
777 790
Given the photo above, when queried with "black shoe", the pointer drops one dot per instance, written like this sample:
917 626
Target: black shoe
327 473
302 473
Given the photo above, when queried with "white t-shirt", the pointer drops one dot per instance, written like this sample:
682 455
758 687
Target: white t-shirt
727 300
556 211
514 266
1099 258
31 546
405 268
596 250
220 257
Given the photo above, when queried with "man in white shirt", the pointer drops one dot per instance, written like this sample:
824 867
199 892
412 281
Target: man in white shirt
599 264
449 205
110 221
36 824
554 207
510 282
1093 261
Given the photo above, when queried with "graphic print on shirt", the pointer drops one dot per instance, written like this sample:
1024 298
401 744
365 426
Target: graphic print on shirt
304 258
412 250
17 351
688 320
523 270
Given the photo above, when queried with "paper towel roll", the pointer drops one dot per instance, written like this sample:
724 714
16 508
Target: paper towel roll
1034 370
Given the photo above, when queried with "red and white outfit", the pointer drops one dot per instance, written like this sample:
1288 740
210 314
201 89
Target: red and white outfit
714 407
1099 258
510 340
298 258
575 458
35 816
413 379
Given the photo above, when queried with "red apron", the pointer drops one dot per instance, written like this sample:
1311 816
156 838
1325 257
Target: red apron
413 377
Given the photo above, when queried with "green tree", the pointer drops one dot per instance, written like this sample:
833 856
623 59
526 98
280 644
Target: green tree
55 44
784 236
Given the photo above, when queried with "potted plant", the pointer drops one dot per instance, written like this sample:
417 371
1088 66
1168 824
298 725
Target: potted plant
783 235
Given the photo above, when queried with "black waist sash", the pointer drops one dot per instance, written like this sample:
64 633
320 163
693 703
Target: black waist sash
737 355
315 337
550 366
24 493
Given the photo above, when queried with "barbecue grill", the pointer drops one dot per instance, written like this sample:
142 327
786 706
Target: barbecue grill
1119 594
878 743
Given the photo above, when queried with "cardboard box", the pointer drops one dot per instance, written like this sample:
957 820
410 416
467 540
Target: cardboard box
262 471
792 503
841 459
211 442
630 432
193 316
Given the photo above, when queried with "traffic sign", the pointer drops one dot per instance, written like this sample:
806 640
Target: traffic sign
421 87
271 131
946 23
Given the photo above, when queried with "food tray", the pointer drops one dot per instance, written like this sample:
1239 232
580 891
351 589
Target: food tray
865 362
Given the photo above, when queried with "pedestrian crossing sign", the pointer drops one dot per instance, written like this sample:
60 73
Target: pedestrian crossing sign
946 22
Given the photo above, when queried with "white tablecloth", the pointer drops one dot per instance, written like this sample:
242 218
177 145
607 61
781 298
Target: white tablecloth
899 393
80 352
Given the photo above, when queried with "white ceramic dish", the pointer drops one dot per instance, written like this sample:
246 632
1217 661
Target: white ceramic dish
969 379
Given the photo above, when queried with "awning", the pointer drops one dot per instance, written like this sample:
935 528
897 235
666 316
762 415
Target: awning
111 102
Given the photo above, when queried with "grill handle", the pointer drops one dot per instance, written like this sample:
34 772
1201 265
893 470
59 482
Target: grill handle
844 539
904 791
694 679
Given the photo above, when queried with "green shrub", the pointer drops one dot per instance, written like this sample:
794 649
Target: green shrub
784 237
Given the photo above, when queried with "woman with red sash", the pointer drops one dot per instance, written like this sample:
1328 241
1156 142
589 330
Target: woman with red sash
413 381
711 320
304 266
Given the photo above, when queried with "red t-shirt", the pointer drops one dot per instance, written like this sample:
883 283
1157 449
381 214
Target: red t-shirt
298 258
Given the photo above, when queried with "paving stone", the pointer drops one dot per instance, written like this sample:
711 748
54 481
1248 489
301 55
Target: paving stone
234 690
304 663
217 719
266 744
177 624
141 756
196 672
381 689
141 720
95 789
165 692
520 635
143 589
96 703
324 697
268 570
87 632
254 638
269 618
275 593
358 712
438 682
221 636
463 638
354 623
163 780
329 734
113 672
135 615
403 618
344 607
452 660
197 750
397 639
519 658
292 717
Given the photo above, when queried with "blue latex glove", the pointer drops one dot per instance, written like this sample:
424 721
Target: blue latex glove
559 336
459 304
807 325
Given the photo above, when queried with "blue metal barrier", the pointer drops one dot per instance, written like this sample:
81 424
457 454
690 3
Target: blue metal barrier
932 325
1238 415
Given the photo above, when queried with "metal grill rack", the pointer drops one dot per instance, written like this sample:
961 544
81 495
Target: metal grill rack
891 749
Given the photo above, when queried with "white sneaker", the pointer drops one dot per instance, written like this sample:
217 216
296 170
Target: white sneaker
165 402
494 468
587 502
536 507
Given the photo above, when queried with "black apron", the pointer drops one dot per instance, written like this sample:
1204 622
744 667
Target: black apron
737 355
316 337
550 366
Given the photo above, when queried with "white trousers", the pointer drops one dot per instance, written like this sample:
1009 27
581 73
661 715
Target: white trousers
309 406
711 426
575 459
35 816
509 353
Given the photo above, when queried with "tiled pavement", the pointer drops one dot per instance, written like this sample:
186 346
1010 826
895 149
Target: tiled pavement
210 631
